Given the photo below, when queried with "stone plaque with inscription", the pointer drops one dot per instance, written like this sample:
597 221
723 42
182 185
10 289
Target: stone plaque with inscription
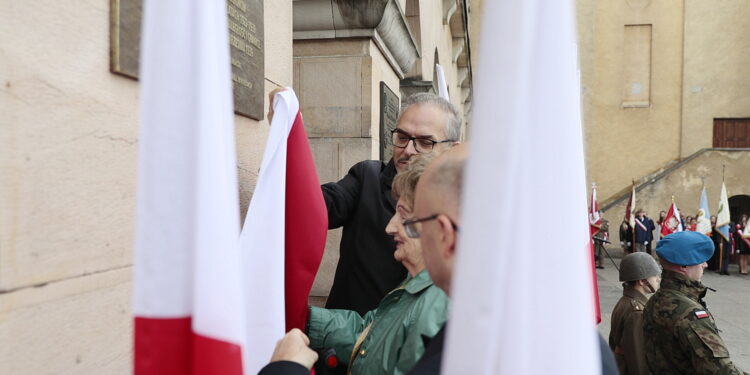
245 20
389 108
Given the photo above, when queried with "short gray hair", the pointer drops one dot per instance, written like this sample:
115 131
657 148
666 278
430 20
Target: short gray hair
452 118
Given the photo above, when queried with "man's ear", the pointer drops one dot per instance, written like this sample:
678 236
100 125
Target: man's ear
448 236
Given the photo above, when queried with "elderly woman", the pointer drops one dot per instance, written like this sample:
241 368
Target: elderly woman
389 339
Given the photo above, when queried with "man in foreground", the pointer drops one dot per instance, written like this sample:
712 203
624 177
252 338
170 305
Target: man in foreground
640 275
362 203
678 328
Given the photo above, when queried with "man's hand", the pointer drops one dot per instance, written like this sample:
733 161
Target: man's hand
294 347
270 102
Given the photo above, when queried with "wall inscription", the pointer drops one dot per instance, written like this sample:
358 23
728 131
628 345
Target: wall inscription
245 19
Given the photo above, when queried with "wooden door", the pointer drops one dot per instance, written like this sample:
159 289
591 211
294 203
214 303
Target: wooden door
732 132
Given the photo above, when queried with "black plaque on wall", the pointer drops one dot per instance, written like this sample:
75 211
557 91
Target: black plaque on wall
389 108
245 21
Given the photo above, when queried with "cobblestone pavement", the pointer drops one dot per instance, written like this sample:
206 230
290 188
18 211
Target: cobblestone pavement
730 305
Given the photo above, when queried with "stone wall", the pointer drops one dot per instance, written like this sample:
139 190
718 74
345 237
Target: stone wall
68 141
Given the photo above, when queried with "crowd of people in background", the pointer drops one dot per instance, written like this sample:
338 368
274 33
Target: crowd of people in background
644 238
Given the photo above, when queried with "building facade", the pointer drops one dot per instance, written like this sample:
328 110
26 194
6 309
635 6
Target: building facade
663 80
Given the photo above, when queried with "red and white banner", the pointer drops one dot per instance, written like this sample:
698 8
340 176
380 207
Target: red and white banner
595 217
672 221
501 291
630 209
187 300
283 236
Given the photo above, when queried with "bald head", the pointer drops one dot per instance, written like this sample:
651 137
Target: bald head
443 180
438 194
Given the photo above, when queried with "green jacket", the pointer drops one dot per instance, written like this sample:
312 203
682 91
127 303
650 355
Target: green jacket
681 333
393 342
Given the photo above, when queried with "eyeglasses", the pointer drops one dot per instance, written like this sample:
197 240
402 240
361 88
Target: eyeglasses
411 229
400 139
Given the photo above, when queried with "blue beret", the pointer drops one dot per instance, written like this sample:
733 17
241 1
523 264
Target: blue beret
685 248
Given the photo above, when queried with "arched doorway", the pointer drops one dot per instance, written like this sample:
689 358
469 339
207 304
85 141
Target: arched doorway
739 205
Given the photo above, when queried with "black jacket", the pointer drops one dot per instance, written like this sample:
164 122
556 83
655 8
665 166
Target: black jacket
362 203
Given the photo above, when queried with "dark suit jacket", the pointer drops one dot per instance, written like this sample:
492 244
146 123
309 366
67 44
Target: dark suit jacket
362 203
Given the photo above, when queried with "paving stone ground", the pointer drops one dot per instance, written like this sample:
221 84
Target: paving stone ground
730 305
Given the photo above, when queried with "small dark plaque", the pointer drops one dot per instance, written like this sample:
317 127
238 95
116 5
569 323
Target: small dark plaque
245 19
389 108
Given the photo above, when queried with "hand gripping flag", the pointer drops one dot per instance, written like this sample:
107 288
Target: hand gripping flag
704 215
187 298
501 292
672 221
284 234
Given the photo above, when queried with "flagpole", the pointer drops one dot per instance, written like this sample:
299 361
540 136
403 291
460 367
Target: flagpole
632 212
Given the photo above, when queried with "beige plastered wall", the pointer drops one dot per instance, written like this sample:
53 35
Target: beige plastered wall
717 68
627 143
68 154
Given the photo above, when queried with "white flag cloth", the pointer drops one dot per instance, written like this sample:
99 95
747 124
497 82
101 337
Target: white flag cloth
512 313
262 241
722 215
187 300
442 83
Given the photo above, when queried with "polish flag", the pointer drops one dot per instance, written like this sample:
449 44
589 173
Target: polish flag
630 209
501 292
283 236
187 299
595 218
672 221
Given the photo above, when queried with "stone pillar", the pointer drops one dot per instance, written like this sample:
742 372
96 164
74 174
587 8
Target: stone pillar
343 50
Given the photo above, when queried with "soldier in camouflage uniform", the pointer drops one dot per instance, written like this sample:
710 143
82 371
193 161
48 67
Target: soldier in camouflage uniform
640 275
679 330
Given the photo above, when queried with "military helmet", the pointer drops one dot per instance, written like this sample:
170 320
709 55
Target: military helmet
638 266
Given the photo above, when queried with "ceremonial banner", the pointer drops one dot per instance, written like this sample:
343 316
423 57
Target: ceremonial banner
527 98
672 221
630 209
595 218
704 216
283 236
187 300
722 215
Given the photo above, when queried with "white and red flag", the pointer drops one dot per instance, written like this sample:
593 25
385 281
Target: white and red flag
187 300
501 292
630 209
284 234
672 221
595 217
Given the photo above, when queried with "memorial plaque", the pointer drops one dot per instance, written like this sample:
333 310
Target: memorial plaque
389 109
245 21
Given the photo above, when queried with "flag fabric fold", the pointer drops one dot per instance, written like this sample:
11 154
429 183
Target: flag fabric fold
703 217
283 236
187 301
672 222
722 214
500 316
